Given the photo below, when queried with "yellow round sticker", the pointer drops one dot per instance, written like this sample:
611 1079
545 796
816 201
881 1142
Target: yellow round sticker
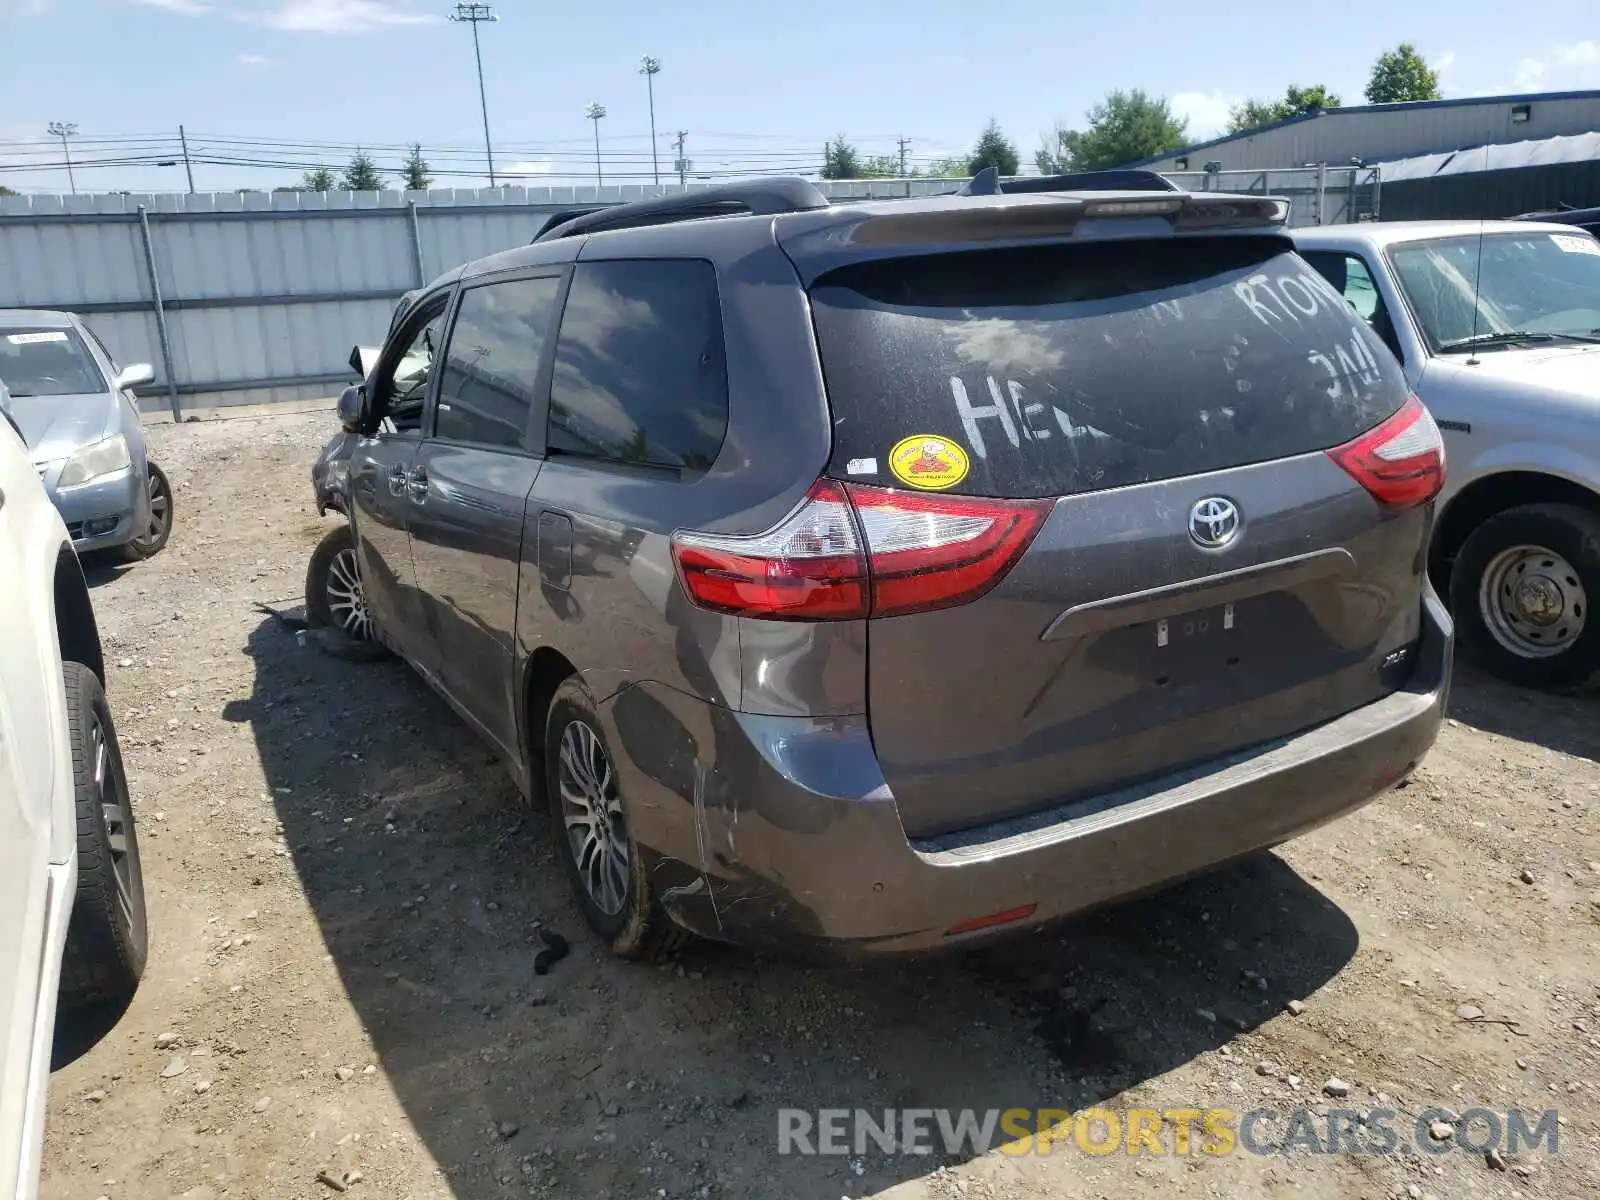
928 461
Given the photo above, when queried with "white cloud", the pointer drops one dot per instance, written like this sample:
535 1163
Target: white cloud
180 6
1579 55
527 166
254 60
1206 112
1565 67
341 16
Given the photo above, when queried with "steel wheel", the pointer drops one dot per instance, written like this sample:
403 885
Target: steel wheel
1532 601
114 813
346 604
591 812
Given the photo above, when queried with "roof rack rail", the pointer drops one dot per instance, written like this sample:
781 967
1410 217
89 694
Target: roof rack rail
987 182
756 197
562 216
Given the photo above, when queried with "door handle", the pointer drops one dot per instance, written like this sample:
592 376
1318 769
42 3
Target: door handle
417 485
398 480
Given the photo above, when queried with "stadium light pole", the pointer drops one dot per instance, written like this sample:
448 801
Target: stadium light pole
651 67
475 15
65 130
594 112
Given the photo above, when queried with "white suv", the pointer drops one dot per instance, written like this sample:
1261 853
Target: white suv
72 917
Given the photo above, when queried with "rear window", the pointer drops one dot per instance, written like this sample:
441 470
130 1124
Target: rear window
1051 370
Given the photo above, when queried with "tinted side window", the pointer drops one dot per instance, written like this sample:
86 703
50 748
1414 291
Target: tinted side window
640 372
486 388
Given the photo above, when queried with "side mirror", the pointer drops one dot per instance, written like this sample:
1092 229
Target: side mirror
350 408
355 361
135 374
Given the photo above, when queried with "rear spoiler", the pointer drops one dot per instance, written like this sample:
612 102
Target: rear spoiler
987 182
818 242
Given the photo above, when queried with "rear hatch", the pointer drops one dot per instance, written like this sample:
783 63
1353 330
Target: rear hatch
1202 576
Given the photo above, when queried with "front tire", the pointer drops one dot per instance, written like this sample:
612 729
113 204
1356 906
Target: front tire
334 597
154 538
108 937
1520 591
602 861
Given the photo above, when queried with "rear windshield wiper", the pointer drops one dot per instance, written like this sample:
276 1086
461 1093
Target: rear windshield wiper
1516 335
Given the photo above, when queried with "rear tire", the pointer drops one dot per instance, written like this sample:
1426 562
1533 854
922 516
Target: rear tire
154 539
603 864
1520 591
108 937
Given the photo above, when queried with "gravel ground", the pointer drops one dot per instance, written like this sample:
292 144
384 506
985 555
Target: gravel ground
344 892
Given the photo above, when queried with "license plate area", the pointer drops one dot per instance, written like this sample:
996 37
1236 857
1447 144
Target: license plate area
1193 647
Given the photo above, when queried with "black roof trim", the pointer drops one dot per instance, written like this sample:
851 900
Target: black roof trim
757 197
564 215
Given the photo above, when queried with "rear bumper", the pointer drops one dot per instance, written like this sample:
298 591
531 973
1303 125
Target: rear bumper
781 832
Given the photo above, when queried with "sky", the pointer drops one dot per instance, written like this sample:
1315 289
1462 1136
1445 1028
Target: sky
756 84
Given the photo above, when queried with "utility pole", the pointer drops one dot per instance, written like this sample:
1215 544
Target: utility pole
650 68
904 174
475 15
594 112
683 163
188 168
64 130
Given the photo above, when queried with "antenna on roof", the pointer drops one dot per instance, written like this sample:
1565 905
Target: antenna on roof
985 183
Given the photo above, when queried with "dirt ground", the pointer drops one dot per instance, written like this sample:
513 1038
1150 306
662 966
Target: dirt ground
344 889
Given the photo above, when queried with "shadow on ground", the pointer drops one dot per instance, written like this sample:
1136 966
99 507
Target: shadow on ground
609 1078
103 567
1569 724
79 1030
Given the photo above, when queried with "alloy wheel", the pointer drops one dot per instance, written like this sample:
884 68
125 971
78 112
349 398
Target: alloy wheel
160 510
591 810
346 602
118 820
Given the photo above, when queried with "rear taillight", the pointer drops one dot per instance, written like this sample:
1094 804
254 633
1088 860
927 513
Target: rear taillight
851 551
1401 461
928 552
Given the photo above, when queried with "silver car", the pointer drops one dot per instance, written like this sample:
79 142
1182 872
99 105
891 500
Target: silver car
1497 326
74 406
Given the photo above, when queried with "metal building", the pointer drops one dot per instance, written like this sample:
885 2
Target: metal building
1379 132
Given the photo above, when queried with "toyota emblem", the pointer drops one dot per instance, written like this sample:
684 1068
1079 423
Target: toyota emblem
1213 522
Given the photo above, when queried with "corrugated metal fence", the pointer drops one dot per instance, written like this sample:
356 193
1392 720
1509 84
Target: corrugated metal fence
254 297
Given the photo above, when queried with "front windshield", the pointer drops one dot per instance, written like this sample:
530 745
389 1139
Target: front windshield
47 362
1542 284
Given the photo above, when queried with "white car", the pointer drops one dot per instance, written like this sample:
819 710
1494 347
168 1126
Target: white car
1497 326
72 915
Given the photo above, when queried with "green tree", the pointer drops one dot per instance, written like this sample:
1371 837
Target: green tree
1296 100
5 191
361 174
1401 74
883 166
320 180
840 160
948 168
1123 128
414 171
995 150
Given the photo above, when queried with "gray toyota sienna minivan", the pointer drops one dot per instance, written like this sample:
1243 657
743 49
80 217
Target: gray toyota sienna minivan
880 576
